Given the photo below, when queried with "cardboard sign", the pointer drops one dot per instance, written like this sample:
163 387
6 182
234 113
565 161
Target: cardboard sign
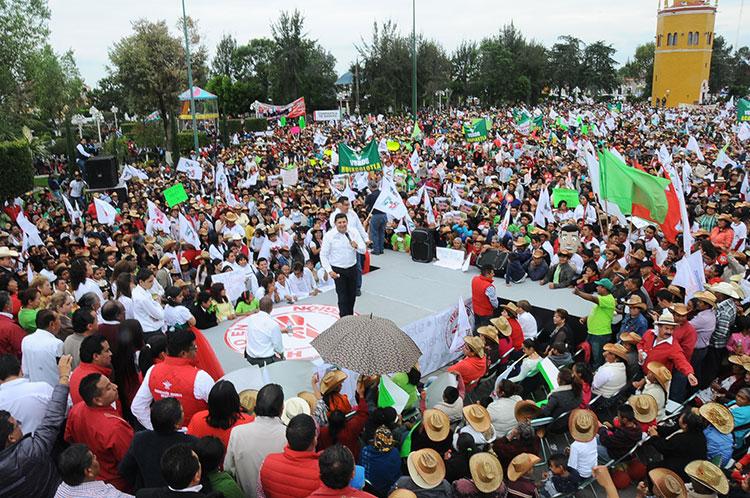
175 195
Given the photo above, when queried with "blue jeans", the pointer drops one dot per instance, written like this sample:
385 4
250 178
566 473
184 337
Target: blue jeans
597 343
377 232
82 166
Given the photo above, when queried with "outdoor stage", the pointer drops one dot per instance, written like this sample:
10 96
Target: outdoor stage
420 298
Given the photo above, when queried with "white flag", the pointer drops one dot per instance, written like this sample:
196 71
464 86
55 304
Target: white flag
463 327
157 217
664 156
569 144
383 145
414 161
105 212
690 274
745 187
743 133
29 272
188 233
192 168
368 132
289 177
428 208
389 201
221 182
438 145
129 172
722 159
543 209
502 228
73 213
693 146
320 139
29 230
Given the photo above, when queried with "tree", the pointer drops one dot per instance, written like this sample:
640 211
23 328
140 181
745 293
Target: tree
108 92
150 67
55 85
224 62
641 67
598 72
741 81
465 68
565 62
721 66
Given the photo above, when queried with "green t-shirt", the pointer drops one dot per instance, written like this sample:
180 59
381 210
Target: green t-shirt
401 379
27 319
402 245
600 320
243 307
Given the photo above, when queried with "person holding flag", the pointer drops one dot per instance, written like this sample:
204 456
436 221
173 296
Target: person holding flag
338 257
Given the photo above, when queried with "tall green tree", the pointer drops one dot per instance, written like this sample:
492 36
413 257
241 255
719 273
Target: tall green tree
598 73
641 67
565 63
465 67
721 66
225 60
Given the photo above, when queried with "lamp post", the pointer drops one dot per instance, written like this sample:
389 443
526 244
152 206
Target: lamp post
414 59
78 120
97 115
114 110
190 78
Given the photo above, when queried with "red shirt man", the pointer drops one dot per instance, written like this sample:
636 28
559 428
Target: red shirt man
662 347
684 333
11 334
295 472
474 364
96 424
96 357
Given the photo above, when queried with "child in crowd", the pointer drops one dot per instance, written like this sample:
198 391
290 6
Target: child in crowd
563 478
582 456
246 304
452 405
619 437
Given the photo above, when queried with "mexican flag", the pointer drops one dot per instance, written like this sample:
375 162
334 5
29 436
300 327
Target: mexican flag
523 122
476 131
615 108
389 394
639 194
538 122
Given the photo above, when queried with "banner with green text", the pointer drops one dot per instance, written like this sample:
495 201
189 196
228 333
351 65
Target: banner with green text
353 162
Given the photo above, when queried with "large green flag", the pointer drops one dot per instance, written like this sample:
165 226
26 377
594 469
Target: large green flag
628 187
416 132
476 131
743 110
302 123
539 121
352 162
615 108
568 195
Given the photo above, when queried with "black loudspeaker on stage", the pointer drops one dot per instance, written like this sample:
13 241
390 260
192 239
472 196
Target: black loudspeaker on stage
101 172
422 245
498 260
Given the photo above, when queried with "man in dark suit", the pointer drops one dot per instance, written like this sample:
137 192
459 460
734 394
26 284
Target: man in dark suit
181 470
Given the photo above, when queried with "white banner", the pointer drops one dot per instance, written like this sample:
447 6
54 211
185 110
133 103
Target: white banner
289 177
434 336
449 258
334 115
234 283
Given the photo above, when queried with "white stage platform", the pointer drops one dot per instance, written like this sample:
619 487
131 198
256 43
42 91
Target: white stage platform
421 298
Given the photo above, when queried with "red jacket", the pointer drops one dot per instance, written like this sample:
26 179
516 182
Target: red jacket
291 474
348 492
669 355
349 435
686 337
175 378
81 371
479 300
11 335
106 434
516 333
653 284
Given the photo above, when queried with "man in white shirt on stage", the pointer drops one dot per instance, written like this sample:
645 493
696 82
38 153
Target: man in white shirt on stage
354 224
264 344
338 256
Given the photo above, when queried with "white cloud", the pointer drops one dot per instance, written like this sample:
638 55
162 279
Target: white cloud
91 27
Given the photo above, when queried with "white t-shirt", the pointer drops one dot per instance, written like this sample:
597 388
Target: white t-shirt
176 315
740 234
583 457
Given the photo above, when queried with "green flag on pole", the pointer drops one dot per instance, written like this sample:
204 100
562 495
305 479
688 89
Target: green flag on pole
743 110
301 122
353 162
476 131
282 121
416 132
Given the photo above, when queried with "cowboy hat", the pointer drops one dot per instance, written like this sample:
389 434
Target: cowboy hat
476 344
437 425
630 337
666 318
662 373
248 397
525 410
164 261
706 297
739 359
486 472
478 417
520 465
503 325
511 308
675 291
582 425
293 407
230 216
520 242
644 407
635 301
709 475
725 217
679 309
7 253
719 416
331 380
538 253
426 468
617 350
724 288
169 244
667 483
488 332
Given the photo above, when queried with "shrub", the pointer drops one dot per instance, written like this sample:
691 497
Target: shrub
16 168
256 124
234 126
128 127
185 141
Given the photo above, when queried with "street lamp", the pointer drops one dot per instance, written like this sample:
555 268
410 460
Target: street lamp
190 78
78 120
114 110
414 59
98 116
440 94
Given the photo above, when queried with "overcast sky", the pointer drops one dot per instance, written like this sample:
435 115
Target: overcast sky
90 27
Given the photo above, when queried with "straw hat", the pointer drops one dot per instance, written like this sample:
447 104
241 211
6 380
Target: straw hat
706 297
738 359
719 416
437 425
486 472
725 217
488 332
503 325
402 493
230 216
675 291
426 468
724 288
331 380
679 309
617 350
7 253
511 308
520 465
476 344
709 475
666 318
644 406
164 261
538 253
635 301
630 337
525 410
309 397
248 397
582 425
520 242
667 484
478 417
662 373
293 407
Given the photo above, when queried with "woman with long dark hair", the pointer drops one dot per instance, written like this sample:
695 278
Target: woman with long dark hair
457 465
224 308
562 400
127 378
81 281
154 351
224 413
123 292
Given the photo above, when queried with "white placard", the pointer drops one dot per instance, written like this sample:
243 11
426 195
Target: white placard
449 258
234 283
331 115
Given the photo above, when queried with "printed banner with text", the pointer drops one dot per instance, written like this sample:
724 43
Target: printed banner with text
353 162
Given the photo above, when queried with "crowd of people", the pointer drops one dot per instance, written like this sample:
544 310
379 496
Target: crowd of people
109 387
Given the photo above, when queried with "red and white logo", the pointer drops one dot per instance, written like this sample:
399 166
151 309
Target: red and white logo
307 321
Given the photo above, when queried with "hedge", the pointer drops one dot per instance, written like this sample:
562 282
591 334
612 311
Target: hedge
128 127
256 124
185 141
234 126
16 169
